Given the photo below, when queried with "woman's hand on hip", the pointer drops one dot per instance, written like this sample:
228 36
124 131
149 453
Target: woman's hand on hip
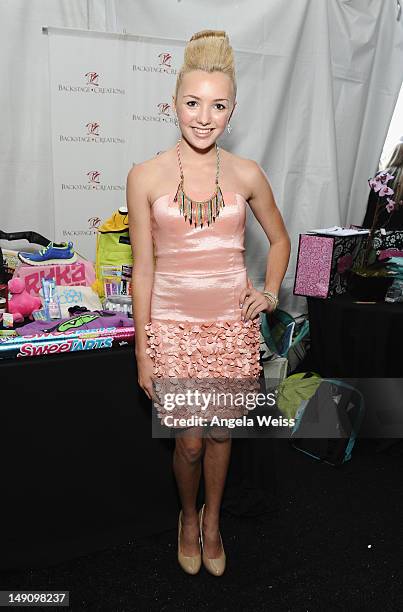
253 302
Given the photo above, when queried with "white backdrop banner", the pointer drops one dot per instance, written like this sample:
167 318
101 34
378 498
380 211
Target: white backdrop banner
89 127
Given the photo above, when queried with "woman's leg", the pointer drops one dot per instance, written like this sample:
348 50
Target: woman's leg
187 464
216 461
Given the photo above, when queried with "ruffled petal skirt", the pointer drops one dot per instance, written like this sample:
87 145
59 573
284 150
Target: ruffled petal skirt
215 364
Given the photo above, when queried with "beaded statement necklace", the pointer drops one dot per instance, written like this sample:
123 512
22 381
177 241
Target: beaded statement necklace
202 212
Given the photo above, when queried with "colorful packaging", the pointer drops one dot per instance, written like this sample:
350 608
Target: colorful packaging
119 303
8 320
10 260
51 300
76 295
79 273
67 342
39 315
82 321
113 253
117 280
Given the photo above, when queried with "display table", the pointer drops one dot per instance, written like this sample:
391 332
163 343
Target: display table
80 469
350 339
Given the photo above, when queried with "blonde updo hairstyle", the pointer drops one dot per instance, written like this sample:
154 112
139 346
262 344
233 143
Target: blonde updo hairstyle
208 50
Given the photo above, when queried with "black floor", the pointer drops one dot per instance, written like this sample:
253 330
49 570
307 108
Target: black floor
334 543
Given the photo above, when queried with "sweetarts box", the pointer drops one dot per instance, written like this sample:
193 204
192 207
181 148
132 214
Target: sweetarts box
79 273
67 342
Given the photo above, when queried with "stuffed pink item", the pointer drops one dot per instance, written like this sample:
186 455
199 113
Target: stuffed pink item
21 304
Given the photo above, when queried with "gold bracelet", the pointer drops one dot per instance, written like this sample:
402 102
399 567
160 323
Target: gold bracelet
272 297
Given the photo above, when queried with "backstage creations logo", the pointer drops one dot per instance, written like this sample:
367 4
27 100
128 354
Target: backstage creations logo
93 183
90 84
163 114
91 134
162 65
93 224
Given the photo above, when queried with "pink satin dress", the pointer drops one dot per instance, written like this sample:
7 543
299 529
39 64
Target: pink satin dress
196 336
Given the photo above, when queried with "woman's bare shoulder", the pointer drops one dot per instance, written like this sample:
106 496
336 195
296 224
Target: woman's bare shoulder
242 170
241 163
158 163
150 173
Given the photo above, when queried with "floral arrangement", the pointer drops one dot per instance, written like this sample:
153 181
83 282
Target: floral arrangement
379 184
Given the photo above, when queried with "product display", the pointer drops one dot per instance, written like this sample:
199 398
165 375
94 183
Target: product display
53 287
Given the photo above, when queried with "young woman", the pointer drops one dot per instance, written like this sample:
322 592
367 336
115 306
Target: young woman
196 312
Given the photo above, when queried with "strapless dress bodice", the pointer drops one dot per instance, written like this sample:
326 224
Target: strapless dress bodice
181 248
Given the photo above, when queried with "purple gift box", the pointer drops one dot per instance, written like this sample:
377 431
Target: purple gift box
322 263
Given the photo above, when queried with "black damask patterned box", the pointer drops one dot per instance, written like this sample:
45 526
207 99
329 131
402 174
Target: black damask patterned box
388 243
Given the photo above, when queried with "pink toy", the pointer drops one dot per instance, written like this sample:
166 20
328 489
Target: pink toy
21 304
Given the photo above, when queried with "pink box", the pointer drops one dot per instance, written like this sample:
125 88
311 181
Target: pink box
323 262
79 273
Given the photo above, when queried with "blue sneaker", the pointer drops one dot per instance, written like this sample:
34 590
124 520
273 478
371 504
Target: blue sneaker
54 253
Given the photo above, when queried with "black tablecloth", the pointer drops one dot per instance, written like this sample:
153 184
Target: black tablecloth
80 469
355 340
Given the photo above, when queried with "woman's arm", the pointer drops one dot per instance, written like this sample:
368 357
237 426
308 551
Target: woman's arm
264 208
266 212
143 256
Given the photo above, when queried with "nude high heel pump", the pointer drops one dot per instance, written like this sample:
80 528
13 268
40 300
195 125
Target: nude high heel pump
190 565
214 566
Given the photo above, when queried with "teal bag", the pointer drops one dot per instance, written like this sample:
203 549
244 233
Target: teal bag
281 331
327 424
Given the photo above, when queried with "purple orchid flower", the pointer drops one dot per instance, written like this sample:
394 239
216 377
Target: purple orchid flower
385 177
390 205
378 184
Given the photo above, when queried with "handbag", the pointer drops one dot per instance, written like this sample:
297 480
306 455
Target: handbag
327 424
281 332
